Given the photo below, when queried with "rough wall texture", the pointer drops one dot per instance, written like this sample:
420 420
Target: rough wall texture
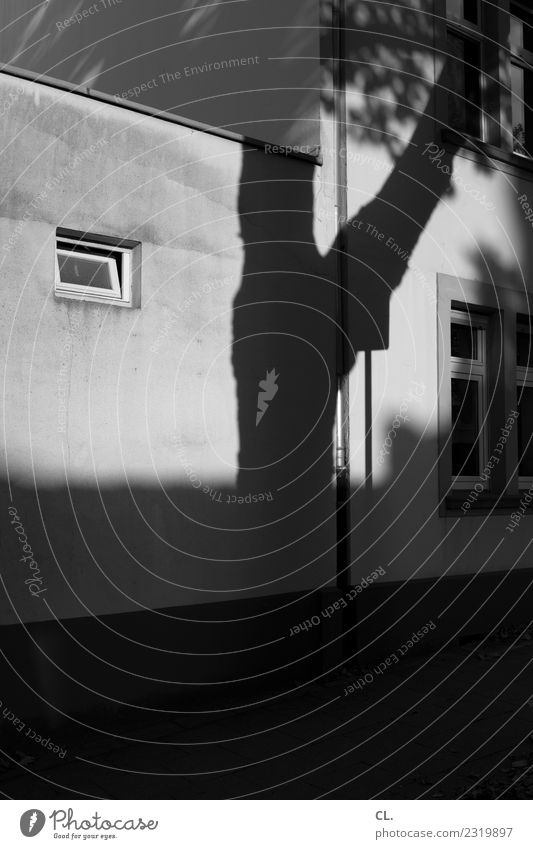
123 427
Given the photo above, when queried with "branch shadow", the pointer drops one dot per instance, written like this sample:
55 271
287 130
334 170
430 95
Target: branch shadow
285 313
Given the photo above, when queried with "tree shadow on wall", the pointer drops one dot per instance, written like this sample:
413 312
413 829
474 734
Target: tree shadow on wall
285 348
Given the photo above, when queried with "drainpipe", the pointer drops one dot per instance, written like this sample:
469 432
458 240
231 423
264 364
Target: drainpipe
342 410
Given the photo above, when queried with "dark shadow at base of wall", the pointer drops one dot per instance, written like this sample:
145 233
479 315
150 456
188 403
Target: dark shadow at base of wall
376 624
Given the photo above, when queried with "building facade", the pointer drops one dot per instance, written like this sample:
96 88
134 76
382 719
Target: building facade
267 407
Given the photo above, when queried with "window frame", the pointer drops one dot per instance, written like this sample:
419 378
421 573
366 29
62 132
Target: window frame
473 370
520 57
499 305
122 256
468 31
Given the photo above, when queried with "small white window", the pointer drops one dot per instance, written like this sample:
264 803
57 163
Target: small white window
91 270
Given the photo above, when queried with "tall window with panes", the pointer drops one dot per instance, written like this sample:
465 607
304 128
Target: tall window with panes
521 57
464 48
468 334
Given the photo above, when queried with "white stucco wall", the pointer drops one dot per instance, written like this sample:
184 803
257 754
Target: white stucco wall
110 508
478 232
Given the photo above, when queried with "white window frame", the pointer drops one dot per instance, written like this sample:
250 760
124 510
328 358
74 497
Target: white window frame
120 267
474 370
524 379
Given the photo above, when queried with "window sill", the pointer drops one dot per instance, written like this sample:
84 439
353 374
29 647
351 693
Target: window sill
475 149
486 503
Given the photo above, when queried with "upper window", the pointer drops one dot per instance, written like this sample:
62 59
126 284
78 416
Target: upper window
521 47
463 10
464 84
521 27
96 268
489 91
464 67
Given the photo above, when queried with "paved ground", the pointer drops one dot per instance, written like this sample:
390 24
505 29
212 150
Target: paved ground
455 724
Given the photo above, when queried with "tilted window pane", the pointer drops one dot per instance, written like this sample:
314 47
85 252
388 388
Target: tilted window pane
85 272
